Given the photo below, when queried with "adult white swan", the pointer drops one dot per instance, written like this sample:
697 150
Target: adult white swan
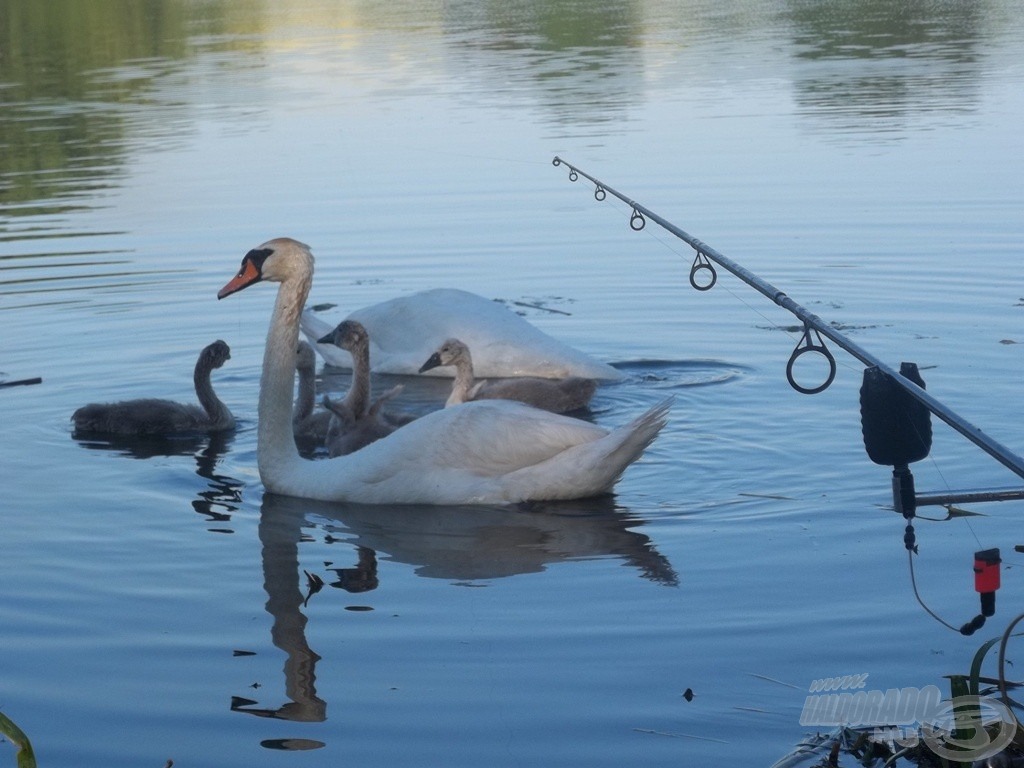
406 330
485 452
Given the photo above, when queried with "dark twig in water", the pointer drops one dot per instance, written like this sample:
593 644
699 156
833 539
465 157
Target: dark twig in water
541 307
21 382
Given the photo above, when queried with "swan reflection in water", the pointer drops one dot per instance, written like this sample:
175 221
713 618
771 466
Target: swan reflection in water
452 543
223 495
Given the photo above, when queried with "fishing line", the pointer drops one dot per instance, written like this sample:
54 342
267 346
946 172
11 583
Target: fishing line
967 628
704 269
895 408
682 256
772 324
913 584
949 507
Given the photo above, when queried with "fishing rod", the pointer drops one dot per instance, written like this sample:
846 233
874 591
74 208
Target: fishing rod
703 277
895 408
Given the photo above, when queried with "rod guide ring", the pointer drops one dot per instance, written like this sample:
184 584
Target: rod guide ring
701 263
804 346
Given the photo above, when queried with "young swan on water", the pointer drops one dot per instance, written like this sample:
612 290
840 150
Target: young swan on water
486 452
308 424
347 434
155 417
357 422
555 395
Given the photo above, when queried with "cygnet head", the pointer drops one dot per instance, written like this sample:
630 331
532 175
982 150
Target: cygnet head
349 335
450 353
215 355
305 358
275 260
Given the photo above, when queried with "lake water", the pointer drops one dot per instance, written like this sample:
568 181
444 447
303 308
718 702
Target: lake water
154 604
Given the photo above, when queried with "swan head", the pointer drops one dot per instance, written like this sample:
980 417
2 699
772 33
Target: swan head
216 354
305 358
276 260
349 335
451 352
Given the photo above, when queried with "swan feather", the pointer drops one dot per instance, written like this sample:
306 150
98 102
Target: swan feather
483 452
405 330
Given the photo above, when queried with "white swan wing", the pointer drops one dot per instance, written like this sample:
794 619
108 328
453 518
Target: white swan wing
490 451
405 331
505 436
484 439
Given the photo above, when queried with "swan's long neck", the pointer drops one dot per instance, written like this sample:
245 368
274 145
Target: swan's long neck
463 379
215 409
358 397
306 399
277 453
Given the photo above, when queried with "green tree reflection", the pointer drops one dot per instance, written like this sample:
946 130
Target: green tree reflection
61 133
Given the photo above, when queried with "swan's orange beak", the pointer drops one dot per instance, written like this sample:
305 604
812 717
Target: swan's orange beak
247 275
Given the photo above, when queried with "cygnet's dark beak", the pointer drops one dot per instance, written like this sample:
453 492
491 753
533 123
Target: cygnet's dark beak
326 338
432 362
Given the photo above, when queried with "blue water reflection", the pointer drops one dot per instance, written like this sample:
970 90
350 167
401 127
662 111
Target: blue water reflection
865 157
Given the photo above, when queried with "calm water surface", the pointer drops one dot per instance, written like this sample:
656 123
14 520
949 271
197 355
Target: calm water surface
154 603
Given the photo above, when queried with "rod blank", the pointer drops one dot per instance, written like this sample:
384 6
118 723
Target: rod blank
992 447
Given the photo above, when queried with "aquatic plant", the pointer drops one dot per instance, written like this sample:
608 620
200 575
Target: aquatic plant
17 737
974 731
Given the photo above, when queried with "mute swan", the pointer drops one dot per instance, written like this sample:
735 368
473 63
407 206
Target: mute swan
307 423
404 331
356 422
555 395
347 433
485 452
154 417
351 336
